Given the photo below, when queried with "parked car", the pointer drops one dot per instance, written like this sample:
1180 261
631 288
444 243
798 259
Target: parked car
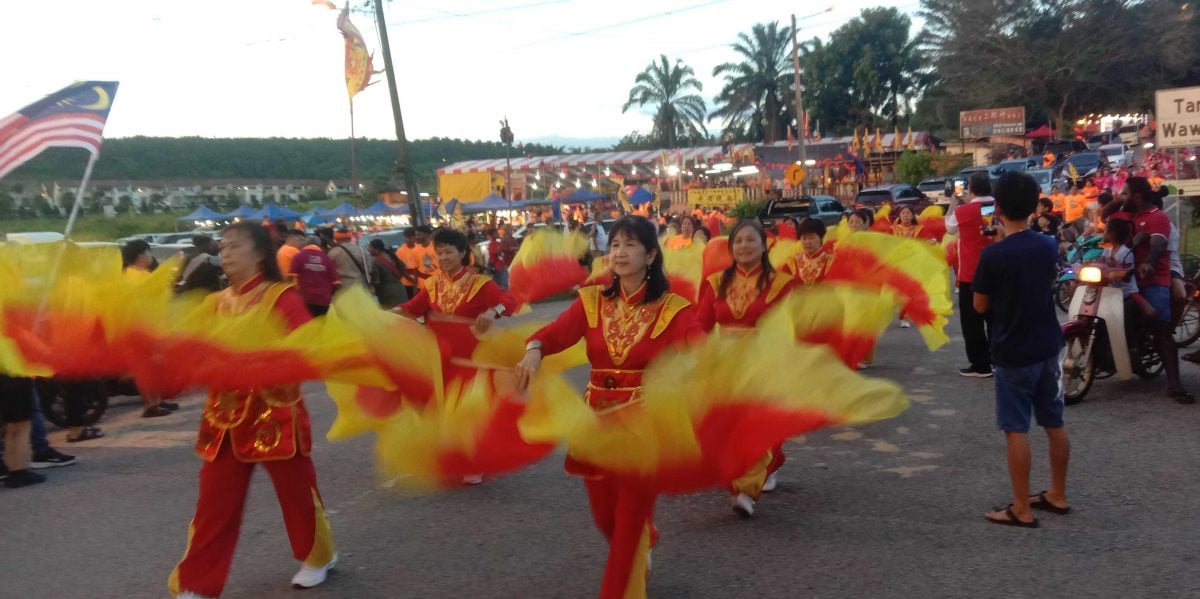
1044 178
1102 139
935 189
172 238
147 237
1063 147
1018 165
896 193
1117 154
391 238
1085 163
827 209
1129 134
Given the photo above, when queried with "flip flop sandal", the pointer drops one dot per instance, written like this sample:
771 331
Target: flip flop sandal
1012 519
1041 503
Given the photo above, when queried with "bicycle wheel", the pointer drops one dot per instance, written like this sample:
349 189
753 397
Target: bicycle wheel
1187 330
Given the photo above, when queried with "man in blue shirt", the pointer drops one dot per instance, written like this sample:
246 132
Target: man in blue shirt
1013 287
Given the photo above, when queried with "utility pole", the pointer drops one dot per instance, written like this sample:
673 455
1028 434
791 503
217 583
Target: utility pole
506 137
799 104
403 166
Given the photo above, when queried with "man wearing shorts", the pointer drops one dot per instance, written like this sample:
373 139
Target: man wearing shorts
1013 288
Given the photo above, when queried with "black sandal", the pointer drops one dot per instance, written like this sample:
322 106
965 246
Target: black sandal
1181 396
1012 519
86 434
1041 503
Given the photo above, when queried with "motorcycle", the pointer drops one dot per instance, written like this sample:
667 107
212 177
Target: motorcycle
1098 342
1084 250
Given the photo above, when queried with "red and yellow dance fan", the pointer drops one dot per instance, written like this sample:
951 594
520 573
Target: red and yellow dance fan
716 257
845 317
912 269
473 429
684 268
406 354
779 251
703 418
90 321
933 224
601 274
546 264
883 220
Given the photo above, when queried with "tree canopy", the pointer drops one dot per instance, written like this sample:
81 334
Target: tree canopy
672 90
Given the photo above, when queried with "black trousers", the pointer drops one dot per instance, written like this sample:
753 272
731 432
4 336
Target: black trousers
974 329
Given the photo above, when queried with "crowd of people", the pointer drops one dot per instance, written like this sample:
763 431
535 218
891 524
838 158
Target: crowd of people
1004 261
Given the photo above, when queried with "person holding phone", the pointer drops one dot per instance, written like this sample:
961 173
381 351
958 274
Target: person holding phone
973 224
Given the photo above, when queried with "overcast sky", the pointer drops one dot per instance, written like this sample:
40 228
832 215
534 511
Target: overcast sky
263 68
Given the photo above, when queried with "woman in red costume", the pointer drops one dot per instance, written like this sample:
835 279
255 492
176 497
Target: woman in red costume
457 304
624 325
809 266
239 429
735 299
906 223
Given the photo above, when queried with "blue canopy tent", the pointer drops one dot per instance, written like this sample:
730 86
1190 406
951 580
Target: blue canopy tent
203 213
272 212
489 204
379 208
582 195
241 212
316 217
527 203
342 210
641 196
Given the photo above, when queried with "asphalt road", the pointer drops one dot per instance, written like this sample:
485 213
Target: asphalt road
893 509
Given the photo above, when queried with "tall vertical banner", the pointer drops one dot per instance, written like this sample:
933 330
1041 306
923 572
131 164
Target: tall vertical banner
358 60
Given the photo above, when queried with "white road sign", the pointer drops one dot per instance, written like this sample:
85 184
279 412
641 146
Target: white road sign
1178 114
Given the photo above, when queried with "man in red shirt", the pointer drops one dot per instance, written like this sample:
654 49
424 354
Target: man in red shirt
316 275
501 251
1152 229
973 224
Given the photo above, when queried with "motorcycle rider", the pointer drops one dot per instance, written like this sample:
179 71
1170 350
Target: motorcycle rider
1152 230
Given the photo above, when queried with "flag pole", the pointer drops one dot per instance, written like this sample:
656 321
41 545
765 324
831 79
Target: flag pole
353 167
87 175
62 250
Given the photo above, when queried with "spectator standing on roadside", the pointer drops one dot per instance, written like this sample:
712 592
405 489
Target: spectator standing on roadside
287 252
16 410
352 261
388 274
974 234
316 275
201 266
1013 285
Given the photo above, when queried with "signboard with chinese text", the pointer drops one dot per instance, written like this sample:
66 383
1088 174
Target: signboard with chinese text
991 121
726 197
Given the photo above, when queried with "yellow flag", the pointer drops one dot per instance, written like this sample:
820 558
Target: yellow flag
358 60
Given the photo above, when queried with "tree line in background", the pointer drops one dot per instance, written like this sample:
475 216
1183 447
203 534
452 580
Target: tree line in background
1060 59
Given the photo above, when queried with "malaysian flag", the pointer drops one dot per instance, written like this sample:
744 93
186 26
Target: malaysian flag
71 118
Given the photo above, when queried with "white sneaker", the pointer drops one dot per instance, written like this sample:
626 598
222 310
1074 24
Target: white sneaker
473 479
743 505
309 576
190 595
904 324
770 484
864 365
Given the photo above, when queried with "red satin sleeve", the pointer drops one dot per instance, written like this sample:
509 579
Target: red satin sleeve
706 310
418 306
684 328
494 296
565 331
291 306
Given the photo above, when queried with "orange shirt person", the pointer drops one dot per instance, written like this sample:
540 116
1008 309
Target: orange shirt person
287 252
624 326
687 231
735 299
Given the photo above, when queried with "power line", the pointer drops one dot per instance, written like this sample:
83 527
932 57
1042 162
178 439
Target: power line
622 23
474 14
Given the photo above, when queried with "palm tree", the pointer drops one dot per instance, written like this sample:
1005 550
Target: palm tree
754 99
678 114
